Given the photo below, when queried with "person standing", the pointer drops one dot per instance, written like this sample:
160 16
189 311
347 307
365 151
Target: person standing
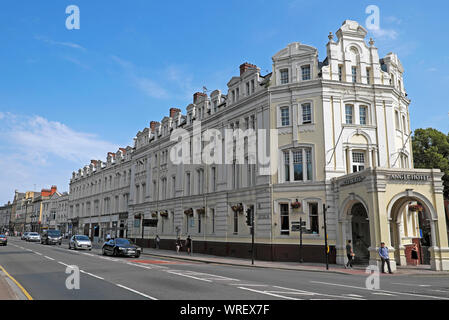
350 254
414 254
385 257
178 245
189 244
157 240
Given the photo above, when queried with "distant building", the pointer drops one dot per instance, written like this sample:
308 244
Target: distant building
5 217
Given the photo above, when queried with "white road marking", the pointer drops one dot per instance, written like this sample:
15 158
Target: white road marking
435 290
385 291
63 263
412 285
269 294
248 285
186 275
318 294
353 295
92 275
137 292
47 257
383 294
40 254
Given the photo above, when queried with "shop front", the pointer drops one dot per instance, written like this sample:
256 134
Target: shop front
402 208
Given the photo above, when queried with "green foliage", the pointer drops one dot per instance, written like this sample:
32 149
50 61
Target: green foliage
431 151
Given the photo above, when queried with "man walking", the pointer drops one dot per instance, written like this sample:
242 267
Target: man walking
188 244
385 257
157 240
350 255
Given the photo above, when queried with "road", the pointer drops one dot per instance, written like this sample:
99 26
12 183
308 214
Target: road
41 270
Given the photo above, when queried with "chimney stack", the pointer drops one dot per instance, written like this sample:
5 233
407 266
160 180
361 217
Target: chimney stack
246 66
173 112
153 125
197 95
53 189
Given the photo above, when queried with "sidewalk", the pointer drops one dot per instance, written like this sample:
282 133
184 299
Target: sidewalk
8 289
295 266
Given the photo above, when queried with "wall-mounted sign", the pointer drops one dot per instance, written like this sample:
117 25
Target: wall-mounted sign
409 177
353 180
152 223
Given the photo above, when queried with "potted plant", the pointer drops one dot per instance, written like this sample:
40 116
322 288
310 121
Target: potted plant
415 208
164 214
188 211
296 204
201 211
154 214
237 207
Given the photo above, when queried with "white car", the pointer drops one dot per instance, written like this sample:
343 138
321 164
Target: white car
33 237
80 242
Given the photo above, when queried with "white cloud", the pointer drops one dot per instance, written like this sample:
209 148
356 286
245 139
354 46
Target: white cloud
380 33
151 88
59 43
38 151
173 76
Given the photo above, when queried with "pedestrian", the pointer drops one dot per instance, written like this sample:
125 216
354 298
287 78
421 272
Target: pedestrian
157 240
178 245
350 254
414 254
108 237
188 244
385 257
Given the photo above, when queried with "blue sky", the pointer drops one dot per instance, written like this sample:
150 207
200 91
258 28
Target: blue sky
67 96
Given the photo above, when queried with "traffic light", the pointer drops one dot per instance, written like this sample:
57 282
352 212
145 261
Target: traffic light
249 217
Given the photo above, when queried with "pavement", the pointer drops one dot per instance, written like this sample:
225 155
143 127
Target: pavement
9 290
295 266
46 271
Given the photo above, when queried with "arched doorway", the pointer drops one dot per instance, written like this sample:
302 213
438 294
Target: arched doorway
360 233
411 223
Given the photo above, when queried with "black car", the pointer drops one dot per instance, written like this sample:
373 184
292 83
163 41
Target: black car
3 240
51 237
121 247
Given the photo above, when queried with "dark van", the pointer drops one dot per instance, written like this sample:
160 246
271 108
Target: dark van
51 237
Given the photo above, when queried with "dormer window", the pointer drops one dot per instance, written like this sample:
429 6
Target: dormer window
284 76
305 72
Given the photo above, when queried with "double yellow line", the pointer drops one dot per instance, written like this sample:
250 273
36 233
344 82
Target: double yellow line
29 297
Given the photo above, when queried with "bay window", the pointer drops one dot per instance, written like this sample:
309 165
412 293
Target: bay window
297 165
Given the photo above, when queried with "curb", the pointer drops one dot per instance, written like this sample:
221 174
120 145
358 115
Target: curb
19 291
281 267
243 265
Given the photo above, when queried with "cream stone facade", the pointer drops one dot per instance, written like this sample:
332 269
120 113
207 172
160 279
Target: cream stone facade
337 136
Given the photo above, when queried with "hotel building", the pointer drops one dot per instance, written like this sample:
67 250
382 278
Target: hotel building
337 137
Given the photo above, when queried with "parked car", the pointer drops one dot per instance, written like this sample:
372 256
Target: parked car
33 237
80 242
24 236
3 240
51 237
121 247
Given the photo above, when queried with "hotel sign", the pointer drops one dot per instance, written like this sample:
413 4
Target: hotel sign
409 177
353 180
